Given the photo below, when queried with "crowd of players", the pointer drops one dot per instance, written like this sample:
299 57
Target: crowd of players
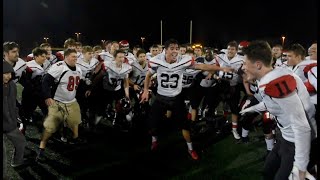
77 85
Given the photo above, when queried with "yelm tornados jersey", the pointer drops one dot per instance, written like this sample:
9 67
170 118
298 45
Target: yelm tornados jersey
255 90
235 63
285 96
87 68
130 57
35 68
189 75
138 73
208 82
114 75
302 70
18 68
169 76
106 56
69 81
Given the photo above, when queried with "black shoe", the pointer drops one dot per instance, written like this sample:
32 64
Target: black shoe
265 156
40 156
60 139
16 165
77 141
245 140
27 153
21 164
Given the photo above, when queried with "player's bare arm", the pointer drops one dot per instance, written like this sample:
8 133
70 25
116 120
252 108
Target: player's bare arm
212 68
126 87
145 94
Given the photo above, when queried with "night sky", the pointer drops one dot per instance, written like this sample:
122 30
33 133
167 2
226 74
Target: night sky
28 21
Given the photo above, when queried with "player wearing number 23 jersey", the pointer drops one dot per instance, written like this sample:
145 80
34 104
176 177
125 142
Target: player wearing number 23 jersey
170 68
169 76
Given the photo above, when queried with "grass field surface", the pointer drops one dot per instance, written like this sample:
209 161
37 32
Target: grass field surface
110 154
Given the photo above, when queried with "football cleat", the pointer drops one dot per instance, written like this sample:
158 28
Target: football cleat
295 174
236 134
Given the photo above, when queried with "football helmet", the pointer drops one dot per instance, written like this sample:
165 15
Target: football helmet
242 44
124 45
123 106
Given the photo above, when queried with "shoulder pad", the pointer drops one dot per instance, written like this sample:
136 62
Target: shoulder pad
281 87
308 68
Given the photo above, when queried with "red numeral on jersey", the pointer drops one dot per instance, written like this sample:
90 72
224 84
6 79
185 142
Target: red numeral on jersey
73 83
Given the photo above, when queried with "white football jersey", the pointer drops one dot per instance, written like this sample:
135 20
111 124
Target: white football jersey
255 90
116 75
235 63
188 76
18 68
148 55
293 111
282 64
299 68
87 67
79 55
69 81
36 69
106 56
53 59
46 65
208 82
131 58
169 76
138 73
312 77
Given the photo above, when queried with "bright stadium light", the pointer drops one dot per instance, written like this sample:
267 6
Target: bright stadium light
78 36
283 38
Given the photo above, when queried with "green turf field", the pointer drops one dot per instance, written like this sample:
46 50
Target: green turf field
122 155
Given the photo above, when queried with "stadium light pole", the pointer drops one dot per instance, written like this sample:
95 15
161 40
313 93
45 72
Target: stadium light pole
283 38
142 39
46 39
191 32
78 36
161 32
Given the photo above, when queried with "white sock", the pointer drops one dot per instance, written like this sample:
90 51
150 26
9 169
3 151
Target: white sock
245 133
234 126
270 144
190 146
154 138
273 131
